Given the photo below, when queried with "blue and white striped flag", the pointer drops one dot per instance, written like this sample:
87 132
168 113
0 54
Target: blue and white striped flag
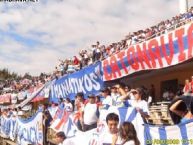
181 134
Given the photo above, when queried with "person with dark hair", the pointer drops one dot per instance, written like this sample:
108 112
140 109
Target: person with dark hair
60 137
98 101
139 103
68 105
79 100
106 136
108 100
79 106
187 87
90 114
180 109
128 135
20 111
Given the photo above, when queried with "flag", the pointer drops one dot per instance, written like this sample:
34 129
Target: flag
174 134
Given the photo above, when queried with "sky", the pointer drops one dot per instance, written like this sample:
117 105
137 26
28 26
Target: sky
34 35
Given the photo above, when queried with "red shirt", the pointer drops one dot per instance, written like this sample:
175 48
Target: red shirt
191 85
187 88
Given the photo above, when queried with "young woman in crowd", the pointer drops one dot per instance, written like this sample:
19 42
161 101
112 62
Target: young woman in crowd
187 87
128 135
139 102
68 105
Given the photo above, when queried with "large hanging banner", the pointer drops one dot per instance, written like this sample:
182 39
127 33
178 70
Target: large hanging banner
88 80
166 50
30 131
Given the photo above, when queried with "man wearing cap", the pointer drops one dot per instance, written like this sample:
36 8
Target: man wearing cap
90 114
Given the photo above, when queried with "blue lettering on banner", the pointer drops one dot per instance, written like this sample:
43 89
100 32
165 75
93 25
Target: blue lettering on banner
8 125
31 133
88 80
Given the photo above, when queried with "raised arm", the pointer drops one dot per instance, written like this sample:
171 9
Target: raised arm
174 110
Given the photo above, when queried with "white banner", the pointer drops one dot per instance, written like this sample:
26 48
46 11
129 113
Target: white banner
30 131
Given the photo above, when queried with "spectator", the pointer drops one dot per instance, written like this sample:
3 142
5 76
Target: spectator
187 87
20 112
15 112
152 92
128 135
139 103
71 67
68 105
114 94
79 101
90 114
184 114
166 95
79 107
121 96
60 137
106 136
107 101
76 61
61 103
98 101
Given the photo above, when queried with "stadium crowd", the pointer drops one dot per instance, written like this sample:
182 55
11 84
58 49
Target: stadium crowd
119 95
99 52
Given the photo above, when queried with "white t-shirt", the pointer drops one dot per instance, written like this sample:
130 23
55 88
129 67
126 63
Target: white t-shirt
90 114
108 101
115 96
142 104
131 142
105 138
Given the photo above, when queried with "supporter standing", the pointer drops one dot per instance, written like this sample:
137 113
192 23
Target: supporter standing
15 112
139 103
107 101
98 101
68 105
114 94
128 135
152 92
79 106
187 87
20 112
90 114
166 95
60 138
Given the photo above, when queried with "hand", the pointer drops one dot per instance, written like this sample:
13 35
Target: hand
114 139
138 109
